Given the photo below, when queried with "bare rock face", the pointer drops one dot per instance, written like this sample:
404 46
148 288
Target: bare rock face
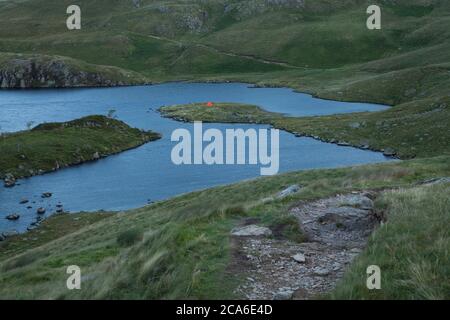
36 71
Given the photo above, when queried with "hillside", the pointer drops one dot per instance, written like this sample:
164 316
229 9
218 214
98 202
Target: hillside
182 248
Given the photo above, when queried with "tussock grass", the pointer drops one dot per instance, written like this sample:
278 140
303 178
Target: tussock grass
184 251
411 248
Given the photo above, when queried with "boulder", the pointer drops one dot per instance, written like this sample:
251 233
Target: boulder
251 231
46 195
41 210
359 201
8 234
434 181
321 272
23 201
289 191
389 152
299 257
283 294
9 181
13 217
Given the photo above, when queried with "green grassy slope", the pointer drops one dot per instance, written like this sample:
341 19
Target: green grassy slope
51 146
180 248
416 129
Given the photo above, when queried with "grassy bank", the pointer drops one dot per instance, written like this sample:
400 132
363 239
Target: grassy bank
180 248
417 129
51 146
411 249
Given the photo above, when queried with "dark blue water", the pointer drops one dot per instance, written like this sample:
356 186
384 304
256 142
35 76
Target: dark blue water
130 179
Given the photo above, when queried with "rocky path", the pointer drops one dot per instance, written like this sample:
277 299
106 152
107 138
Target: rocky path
336 230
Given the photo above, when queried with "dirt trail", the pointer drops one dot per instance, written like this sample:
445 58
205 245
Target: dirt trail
218 51
336 229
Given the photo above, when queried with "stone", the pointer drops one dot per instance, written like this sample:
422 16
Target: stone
359 201
8 234
289 191
431 182
284 294
96 156
13 217
46 195
320 271
389 152
41 210
299 257
251 231
23 201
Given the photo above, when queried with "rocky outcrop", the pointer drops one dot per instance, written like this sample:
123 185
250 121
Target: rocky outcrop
37 71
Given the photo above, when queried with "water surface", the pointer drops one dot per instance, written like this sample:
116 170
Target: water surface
134 177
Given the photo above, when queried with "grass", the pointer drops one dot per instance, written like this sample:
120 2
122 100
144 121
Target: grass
51 146
184 251
181 248
417 129
411 248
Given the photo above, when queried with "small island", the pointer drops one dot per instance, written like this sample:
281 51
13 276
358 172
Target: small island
53 146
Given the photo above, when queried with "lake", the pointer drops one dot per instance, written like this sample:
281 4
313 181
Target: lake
133 178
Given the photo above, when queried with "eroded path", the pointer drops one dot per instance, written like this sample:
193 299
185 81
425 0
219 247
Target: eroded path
336 230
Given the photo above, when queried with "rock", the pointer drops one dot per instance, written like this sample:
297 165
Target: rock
283 294
59 210
359 201
389 152
8 234
96 156
344 144
289 191
46 195
2 238
299 257
41 210
251 231
431 182
320 271
23 201
9 181
26 71
13 217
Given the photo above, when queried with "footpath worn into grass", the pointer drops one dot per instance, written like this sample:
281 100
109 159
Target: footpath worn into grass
417 129
51 146
180 248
